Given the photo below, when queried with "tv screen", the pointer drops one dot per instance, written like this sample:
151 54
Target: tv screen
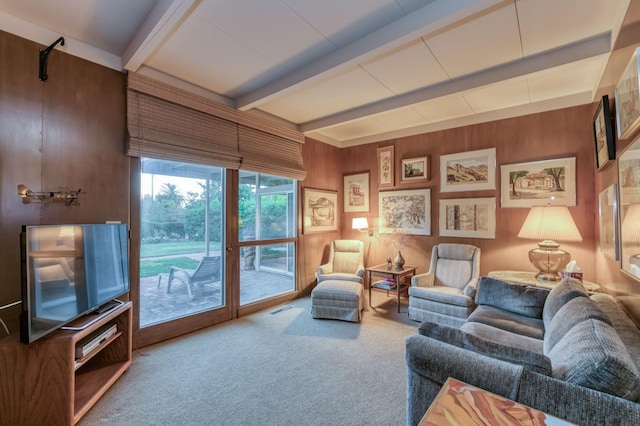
69 271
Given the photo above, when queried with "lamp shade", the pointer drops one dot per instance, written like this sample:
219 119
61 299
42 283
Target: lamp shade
359 223
550 223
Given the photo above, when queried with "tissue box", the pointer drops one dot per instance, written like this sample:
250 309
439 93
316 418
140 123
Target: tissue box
567 274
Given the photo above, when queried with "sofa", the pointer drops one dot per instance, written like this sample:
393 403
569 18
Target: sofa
570 354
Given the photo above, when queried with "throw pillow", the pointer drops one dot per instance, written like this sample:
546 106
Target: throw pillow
519 299
560 294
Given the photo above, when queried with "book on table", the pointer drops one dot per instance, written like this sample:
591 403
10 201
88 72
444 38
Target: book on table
385 284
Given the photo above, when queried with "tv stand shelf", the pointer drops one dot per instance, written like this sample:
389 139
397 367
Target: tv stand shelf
43 383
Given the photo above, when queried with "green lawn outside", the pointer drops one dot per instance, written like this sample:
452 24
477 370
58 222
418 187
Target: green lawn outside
175 247
150 268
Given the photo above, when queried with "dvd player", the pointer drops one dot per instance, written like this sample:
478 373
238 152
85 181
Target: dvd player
85 346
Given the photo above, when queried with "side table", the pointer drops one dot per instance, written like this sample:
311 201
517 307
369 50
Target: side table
459 403
529 278
393 279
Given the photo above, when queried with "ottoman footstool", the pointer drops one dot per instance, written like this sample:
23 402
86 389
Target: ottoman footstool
341 300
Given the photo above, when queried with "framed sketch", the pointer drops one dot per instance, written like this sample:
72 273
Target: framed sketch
608 213
385 167
356 192
603 134
414 169
468 217
468 171
628 98
405 212
629 207
319 210
539 183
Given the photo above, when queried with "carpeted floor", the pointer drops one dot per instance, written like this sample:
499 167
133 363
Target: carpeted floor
276 367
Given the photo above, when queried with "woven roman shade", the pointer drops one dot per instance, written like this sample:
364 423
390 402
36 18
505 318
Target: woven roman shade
265 153
170 123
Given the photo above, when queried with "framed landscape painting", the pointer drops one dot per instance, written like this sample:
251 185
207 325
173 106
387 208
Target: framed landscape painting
628 98
468 217
356 192
539 183
603 134
629 207
468 171
406 212
415 169
319 210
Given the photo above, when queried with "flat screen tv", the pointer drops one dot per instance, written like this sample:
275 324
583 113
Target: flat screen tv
69 271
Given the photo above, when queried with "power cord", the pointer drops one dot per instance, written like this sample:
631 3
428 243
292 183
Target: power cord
5 307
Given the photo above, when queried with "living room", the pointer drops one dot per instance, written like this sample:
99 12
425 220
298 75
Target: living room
71 131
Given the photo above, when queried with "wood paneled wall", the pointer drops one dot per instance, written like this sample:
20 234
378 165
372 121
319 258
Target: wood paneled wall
66 132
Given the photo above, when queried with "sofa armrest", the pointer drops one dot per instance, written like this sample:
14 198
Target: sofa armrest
423 280
471 288
430 362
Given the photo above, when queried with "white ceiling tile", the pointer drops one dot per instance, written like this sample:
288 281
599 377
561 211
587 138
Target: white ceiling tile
581 76
508 93
490 39
347 90
353 129
407 68
444 108
547 24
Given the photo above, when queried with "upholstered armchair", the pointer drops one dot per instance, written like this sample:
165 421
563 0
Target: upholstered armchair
445 295
346 262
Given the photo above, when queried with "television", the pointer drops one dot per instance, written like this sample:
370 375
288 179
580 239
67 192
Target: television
69 271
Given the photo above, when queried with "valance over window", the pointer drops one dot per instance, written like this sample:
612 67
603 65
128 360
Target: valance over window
170 123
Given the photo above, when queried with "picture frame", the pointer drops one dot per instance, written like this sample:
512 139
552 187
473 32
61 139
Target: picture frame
386 172
603 134
468 217
356 192
415 169
405 211
468 171
629 210
608 221
627 97
538 183
319 210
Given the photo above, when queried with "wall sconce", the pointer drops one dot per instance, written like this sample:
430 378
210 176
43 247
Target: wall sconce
70 198
362 225
549 223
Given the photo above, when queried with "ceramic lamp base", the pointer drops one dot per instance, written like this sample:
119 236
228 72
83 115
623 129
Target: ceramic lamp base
549 260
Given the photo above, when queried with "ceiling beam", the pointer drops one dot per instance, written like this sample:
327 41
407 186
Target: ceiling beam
163 19
425 20
584 49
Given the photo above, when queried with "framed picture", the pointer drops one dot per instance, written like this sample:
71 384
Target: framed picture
385 167
603 134
539 183
608 212
468 171
319 210
468 217
405 212
628 98
629 207
356 192
415 169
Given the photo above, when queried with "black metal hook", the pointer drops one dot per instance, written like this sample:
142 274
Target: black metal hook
44 54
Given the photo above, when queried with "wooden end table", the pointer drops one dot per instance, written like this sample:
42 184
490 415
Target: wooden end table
394 279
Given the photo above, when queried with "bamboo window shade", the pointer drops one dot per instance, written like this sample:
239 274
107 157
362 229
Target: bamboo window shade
170 123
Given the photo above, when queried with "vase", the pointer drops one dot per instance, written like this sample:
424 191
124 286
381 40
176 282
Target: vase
398 261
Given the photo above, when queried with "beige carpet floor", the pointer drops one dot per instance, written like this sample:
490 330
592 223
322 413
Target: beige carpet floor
275 367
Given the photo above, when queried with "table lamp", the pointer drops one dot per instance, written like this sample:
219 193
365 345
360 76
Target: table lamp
549 223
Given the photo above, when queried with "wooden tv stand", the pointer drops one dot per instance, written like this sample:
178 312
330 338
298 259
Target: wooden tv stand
43 383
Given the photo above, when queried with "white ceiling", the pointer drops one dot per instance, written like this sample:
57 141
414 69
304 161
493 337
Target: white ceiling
346 72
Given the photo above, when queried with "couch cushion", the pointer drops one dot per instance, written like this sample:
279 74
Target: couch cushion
535 361
503 337
571 314
592 355
631 306
519 299
447 295
560 294
505 320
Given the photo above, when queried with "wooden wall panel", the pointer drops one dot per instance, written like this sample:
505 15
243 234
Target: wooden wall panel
68 131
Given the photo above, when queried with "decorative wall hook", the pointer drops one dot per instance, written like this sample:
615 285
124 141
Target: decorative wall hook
44 54
70 198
